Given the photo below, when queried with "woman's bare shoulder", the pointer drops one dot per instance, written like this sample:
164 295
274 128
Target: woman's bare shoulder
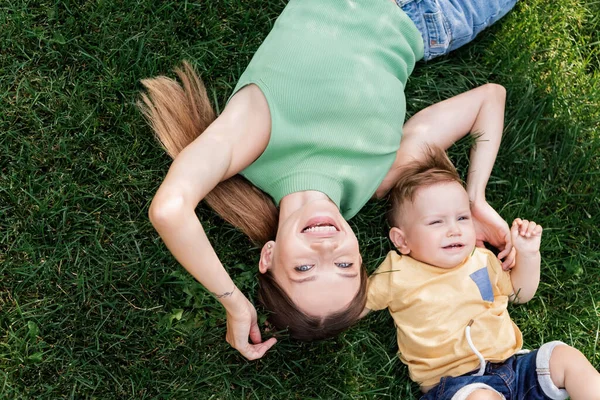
245 124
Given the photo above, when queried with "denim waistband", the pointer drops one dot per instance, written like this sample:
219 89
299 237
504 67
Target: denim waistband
446 25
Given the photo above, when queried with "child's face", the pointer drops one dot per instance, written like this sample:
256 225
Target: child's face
436 228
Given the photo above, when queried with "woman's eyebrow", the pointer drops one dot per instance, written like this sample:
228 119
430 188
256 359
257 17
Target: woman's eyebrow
310 278
314 277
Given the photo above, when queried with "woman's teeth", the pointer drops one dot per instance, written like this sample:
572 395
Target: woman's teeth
320 228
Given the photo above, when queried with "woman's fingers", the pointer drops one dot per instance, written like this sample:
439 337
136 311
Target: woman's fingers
507 255
243 330
255 336
507 244
509 261
256 351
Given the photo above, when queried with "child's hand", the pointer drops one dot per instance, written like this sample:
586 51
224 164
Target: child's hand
526 236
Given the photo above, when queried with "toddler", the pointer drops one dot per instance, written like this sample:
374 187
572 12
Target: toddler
449 299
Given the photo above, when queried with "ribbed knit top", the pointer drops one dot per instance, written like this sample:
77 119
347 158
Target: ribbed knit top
333 73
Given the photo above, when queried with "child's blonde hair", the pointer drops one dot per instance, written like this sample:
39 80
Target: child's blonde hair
432 168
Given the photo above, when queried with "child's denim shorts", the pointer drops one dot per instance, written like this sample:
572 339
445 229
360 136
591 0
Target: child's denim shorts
524 376
448 24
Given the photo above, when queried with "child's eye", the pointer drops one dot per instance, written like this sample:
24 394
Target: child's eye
463 218
303 268
435 222
344 265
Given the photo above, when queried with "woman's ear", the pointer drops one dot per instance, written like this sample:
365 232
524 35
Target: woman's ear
398 237
266 257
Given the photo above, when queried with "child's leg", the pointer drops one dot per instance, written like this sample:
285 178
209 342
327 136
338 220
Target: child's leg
570 369
483 394
446 25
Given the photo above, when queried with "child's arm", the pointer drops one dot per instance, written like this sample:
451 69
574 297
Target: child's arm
525 276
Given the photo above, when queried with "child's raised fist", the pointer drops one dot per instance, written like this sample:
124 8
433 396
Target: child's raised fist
526 235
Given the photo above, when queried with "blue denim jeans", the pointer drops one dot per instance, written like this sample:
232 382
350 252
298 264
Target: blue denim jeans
520 377
448 24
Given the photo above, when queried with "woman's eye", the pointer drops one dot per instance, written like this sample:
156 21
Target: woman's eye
303 268
344 265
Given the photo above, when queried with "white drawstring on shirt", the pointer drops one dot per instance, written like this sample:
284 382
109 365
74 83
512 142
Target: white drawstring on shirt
474 349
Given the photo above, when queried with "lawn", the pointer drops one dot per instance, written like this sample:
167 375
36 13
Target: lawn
92 304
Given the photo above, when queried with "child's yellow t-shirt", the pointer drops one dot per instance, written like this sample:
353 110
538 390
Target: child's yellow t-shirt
432 307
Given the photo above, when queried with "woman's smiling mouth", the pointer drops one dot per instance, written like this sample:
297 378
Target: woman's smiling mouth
320 226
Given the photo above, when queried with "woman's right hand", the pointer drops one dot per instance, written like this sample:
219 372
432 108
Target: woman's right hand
490 227
242 323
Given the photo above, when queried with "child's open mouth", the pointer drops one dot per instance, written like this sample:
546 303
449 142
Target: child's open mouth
454 246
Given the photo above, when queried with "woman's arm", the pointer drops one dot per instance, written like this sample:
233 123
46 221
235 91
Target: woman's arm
232 142
479 112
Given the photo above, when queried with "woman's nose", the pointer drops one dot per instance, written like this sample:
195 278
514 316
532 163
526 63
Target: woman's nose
325 244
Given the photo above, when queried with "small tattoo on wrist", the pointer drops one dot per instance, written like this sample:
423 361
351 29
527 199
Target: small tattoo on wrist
223 295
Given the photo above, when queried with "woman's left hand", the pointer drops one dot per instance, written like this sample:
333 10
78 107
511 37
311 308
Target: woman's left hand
241 324
491 228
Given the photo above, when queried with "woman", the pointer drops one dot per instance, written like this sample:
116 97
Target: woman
315 122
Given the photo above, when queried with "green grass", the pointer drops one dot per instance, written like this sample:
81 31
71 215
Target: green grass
92 305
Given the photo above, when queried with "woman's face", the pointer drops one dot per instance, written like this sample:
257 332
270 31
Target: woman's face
315 259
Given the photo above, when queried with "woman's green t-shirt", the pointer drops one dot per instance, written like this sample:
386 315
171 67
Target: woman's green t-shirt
333 73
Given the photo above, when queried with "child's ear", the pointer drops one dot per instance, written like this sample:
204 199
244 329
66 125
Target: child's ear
399 239
266 257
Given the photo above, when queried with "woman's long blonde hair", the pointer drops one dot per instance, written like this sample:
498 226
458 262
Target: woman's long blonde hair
178 114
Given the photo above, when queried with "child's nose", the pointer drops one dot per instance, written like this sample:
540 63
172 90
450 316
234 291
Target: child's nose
454 230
